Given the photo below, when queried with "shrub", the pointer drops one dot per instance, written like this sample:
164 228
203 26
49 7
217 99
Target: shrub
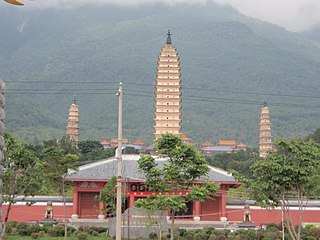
164 237
23 232
41 233
82 236
200 236
10 226
272 225
310 238
189 236
34 228
213 236
102 229
56 231
153 235
35 235
95 233
209 230
221 237
182 232
314 232
250 235
47 227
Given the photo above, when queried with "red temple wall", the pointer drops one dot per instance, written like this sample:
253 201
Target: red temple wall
210 210
23 213
263 216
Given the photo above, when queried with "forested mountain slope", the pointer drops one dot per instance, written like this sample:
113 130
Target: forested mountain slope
230 65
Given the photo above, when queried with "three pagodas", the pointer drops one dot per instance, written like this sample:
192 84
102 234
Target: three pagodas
167 117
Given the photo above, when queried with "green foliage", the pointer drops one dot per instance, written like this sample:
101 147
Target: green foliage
93 150
35 235
162 202
314 232
89 145
239 161
82 235
56 231
22 175
108 195
57 164
284 175
184 165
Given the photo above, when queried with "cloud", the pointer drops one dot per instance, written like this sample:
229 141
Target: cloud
294 15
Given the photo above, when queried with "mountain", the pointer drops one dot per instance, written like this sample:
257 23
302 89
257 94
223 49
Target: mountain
230 64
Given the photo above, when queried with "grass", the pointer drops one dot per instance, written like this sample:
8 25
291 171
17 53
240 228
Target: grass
18 237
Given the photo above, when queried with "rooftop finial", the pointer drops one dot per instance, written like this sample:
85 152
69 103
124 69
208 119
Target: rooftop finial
265 103
74 99
169 37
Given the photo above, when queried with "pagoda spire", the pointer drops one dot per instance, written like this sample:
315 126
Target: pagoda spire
265 142
73 121
167 117
168 37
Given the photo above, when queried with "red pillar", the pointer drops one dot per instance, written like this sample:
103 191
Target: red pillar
223 203
101 208
131 201
75 209
197 209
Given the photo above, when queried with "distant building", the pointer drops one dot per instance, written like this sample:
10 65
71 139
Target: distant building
105 144
186 139
113 143
167 117
73 122
223 146
138 144
265 142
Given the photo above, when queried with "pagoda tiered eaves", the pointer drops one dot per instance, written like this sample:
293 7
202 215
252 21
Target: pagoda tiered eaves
168 92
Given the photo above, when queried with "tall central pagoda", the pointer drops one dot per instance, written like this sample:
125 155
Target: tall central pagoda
168 92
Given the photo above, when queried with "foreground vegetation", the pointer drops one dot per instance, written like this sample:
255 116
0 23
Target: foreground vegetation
48 232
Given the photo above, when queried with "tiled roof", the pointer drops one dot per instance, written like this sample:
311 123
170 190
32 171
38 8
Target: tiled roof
105 142
105 169
138 142
217 149
207 143
227 142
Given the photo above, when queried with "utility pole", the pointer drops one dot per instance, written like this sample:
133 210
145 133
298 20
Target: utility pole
119 177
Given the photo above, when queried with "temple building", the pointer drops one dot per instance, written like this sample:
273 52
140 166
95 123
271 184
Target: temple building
168 92
265 143
73 122
90 179
223 146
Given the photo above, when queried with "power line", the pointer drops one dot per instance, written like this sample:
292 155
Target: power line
186 88
133 93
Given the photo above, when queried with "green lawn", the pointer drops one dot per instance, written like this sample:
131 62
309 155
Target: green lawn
17 237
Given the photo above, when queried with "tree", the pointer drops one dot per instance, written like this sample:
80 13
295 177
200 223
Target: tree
314 136
239 161
93 150
22 175
57 164
184 168
108 196
285 175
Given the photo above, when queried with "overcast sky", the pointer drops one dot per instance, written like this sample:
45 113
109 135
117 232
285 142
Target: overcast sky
294 15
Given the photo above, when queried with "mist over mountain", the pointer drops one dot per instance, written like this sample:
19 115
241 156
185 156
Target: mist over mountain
230 64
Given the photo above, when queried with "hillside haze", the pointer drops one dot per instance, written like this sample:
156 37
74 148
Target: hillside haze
228 61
